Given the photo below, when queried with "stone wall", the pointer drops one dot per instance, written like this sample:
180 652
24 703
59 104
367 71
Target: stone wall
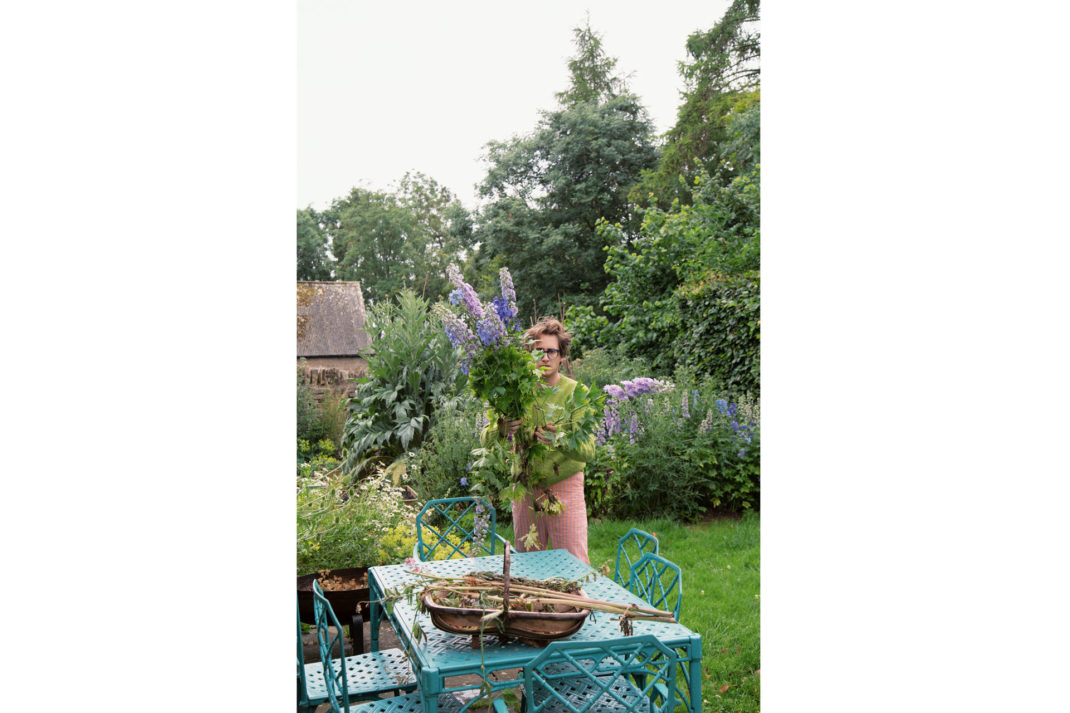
332 374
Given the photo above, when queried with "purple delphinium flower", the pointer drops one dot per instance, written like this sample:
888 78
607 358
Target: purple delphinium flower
459 334
468 294
480 527
505 313
610 424
684 405
615 392
491 329
464 481
722 406
508 292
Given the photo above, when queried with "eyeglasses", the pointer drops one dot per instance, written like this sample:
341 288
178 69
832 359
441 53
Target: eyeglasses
550 352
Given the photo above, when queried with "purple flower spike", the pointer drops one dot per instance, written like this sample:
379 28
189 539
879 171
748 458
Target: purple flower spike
508 292
491 329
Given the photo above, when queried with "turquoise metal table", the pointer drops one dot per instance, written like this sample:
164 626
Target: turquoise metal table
438 655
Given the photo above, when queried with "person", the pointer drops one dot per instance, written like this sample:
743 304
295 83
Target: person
568 529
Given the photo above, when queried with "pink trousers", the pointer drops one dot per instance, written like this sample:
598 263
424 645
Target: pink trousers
566 531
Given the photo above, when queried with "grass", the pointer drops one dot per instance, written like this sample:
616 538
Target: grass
720 564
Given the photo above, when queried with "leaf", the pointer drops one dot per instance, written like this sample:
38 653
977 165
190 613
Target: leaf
725 687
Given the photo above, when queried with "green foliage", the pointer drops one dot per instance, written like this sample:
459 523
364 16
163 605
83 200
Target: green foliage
679 454
333 414
339 526
701 256
313 262
590 70
548 190
507 378
721 79
600 367
412 369
310 424
723 335
445 457
393 240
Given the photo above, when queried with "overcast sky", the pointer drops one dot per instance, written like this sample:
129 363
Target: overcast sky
388 87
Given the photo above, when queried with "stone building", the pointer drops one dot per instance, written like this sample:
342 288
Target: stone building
330 335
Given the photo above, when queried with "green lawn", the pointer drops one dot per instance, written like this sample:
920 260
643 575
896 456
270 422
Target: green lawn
720 563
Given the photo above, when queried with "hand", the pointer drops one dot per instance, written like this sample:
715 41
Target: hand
508 428
541 434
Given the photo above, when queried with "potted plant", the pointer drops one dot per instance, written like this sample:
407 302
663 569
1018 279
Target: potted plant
341 531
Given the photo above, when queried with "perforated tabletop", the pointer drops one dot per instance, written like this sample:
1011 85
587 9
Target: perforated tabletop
440 654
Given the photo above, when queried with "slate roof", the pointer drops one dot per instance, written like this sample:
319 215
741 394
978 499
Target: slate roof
330 319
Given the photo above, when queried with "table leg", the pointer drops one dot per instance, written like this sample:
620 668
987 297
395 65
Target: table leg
695 674
356 632
374 615
430 685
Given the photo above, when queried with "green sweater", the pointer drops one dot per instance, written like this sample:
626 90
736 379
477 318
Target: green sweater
568 462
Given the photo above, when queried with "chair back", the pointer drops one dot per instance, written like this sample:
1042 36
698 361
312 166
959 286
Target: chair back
659 582
630 548
452 527
628 675
334 672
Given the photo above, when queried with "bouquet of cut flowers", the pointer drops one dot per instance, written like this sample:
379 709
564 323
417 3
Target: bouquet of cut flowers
503 371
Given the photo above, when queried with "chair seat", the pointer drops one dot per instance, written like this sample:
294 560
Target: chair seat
367 676
578 692
408 703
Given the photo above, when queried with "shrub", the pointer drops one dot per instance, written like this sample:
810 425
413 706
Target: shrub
442 466
341 526
310 425
675 453
413 369
600 367
723 332
333 415
685 290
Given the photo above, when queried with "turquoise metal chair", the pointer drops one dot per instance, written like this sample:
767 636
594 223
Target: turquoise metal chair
659 582
630 548
635 674
439 520
361 677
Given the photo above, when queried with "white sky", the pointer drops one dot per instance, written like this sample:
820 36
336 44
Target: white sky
386 87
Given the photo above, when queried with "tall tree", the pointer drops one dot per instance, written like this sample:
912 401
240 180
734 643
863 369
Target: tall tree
721 79
446 224
376 241
313 260
404 238
590 70
549 189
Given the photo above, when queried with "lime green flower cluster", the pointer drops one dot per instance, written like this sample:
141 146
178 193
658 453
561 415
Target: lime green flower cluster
397 544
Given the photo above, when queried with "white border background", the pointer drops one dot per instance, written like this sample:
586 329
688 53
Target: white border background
913 360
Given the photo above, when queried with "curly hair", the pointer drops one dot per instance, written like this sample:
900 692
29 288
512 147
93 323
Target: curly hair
549 325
